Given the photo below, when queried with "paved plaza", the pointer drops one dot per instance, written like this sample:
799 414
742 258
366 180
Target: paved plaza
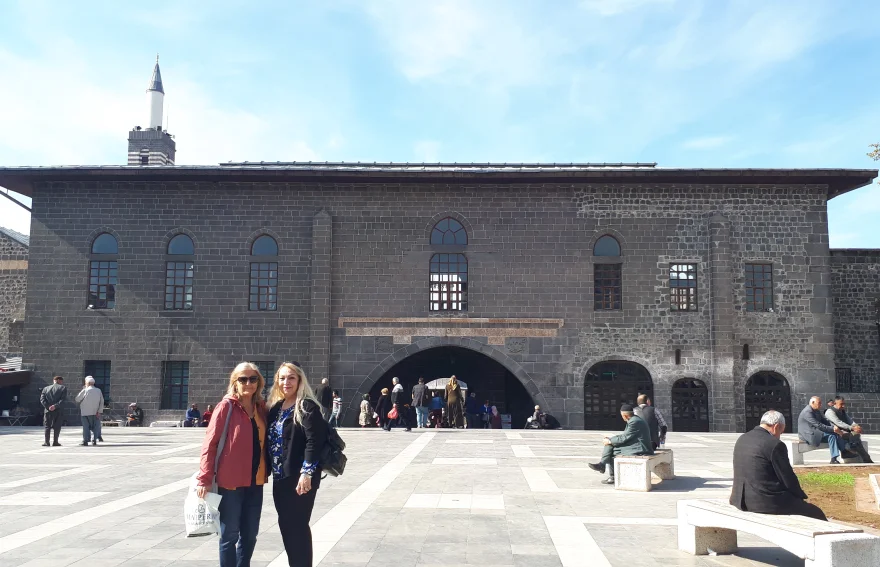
444 497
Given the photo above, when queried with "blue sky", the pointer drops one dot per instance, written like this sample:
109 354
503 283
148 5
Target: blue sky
680 82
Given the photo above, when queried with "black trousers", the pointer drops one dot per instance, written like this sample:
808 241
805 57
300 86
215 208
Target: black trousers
802 508
52 421
294 513
453 411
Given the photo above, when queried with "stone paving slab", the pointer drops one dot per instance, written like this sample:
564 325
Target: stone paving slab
435 497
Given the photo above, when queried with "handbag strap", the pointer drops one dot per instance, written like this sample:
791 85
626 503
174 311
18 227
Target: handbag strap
222 442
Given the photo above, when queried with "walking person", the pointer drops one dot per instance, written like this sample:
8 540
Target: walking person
365 418
383 406
397 402
324 395
436 413
90 401
472 409
486 415
241 468
51 398
337 409
297 434
453 403
420 400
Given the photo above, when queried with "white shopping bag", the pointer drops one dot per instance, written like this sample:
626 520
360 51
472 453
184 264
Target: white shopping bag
201 515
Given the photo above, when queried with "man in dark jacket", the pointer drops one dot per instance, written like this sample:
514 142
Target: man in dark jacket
420 399
472 411
635 440
763 480
325 397
649 414
814 429
51 398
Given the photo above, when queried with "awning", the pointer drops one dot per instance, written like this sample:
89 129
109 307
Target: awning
17 378
440 384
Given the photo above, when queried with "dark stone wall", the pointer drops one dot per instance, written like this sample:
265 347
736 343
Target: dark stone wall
856 290
13 294
529 256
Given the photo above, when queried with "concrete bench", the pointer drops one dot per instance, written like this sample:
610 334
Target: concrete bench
167 424
634 473
796 449
711 525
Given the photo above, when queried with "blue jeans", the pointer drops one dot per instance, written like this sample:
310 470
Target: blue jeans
88 423
98 429
239 524
422 416
834 442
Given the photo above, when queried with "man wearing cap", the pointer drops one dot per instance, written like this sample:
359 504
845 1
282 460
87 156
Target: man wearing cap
91 402
635 440
135 415
51 398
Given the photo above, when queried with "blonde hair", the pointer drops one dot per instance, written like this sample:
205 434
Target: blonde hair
232 390
303 393
384 391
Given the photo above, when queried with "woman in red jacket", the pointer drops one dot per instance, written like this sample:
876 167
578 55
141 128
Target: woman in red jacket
241 469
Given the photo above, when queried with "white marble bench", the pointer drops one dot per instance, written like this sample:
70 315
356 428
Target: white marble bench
167 424
634 473
796 449
711 525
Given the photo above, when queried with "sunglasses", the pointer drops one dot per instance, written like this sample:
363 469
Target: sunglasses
248 379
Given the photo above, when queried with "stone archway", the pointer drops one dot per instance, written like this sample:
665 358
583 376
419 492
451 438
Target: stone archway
434 342
767 390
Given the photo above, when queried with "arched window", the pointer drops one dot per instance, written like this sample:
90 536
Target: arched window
767 391
606 246
264 246
263 295
103 271
448 282
182 245
105 244
607 284
179 274
449 231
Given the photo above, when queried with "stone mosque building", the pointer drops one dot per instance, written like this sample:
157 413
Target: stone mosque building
573 286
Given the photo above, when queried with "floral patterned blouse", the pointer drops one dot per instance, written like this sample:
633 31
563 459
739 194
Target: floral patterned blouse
276 446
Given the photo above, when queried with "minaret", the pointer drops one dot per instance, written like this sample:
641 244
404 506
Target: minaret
152 145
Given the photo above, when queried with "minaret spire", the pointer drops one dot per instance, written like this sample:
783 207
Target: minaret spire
152 145
156 97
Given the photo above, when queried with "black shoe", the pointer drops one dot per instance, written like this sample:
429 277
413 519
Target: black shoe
834 461
848 455
45 444
408 429
598 467
101 439
56 444
84 444
94 443
609 480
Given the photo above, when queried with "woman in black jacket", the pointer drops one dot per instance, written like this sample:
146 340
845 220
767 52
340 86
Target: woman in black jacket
383 406
296 436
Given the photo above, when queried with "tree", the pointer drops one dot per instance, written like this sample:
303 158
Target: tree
875 153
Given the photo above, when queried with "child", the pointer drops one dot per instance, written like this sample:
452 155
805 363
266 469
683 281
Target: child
337 408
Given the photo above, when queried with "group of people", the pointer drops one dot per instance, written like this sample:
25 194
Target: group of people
284 437
447 408
196 419
91 405
835 427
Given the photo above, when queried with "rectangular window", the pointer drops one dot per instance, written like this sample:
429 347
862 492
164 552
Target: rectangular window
102 285
145 160
683 287
607 287
448 285
264 286
100 371
267 369
759 287
175 385
179 285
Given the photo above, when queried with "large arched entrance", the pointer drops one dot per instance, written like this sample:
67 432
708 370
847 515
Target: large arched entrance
609 384
690 405
767 391
486 377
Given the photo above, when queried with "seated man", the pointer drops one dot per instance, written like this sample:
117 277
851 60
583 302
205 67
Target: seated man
540 418
763 480
135 417
852 431
814 429
193 417
635 440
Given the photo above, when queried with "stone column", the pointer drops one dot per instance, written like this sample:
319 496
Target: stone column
723 414
319 320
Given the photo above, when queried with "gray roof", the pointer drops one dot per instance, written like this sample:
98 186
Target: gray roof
156 81
22 239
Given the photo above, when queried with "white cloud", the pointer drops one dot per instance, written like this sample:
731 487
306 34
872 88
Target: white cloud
706 143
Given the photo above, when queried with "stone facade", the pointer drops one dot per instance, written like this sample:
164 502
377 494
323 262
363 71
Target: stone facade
13 291
151 146
353 282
